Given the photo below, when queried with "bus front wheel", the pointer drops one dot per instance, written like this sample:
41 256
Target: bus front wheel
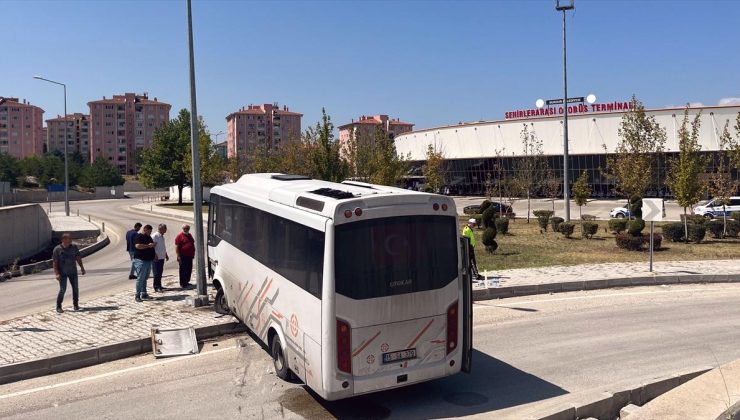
278 359
220 305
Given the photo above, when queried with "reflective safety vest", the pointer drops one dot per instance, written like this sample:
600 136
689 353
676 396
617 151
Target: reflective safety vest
468 233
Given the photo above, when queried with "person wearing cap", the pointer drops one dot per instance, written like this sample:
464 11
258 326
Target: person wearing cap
467 232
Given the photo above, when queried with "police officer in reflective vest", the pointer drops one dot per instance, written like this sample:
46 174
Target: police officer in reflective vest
468 233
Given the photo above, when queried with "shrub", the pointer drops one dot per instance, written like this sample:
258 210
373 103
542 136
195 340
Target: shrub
502 225
543 217
588 217
484 206
733 228
589 229
478 219
735 215
694 218
617 225
488 216
636 206
716 228
489 239
697 232
635 227
657 240
555 223
630 242
673 231
567 228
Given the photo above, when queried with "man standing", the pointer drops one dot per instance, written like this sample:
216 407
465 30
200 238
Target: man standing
185 247
160 256
65 257
468 233
143 257
130 235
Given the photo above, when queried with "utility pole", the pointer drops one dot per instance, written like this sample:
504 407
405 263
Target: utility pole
566 191
200 267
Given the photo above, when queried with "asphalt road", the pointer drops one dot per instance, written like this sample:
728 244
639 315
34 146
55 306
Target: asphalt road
532 352
107 269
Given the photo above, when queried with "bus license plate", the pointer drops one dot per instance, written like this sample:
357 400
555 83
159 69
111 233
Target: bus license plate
396 356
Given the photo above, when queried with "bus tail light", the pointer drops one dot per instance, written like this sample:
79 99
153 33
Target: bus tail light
344 347
452 328
358 212
435 206
444 207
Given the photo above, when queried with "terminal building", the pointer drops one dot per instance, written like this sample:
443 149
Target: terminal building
477 151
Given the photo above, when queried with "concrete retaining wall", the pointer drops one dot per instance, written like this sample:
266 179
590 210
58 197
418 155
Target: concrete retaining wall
103 241
24 231
41 196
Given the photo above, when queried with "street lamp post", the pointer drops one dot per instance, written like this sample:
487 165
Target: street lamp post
215 140
66 158
567 5
200 270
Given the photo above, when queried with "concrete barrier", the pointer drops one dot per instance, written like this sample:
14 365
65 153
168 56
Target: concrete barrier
102 242
24 231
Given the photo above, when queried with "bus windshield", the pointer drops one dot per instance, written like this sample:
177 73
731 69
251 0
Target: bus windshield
395 255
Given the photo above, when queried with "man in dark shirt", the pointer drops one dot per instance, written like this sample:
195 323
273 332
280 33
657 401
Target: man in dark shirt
65 257
143 257
130 235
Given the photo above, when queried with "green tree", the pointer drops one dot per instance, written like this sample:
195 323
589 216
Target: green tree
531 168
721 184
434 169
163 164
102 173
686 169
213 167
359 155
52 170
634 164
326 160
581 192
387 167
32 166
9 169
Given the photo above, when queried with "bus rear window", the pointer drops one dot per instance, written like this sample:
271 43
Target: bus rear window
395 255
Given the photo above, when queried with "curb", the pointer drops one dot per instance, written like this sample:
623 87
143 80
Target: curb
103 241
547 288
179 217
607 405
96 355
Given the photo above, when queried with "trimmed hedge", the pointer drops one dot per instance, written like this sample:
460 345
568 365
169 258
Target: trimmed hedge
735 215
484 205
555 223
697 232
617 225
502 225
489 239
567 228
716 228
488 216
589 229
635 206
543 217
635 227
588 217
657 240
695 218
629 242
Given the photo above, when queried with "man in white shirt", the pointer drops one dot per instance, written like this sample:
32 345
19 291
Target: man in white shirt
160 256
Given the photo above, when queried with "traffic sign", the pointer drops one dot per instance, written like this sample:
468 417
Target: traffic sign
652 209
576 100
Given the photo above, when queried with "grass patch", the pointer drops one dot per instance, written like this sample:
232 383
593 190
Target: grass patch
184 206
526 247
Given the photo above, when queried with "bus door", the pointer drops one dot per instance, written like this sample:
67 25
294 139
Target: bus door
467 307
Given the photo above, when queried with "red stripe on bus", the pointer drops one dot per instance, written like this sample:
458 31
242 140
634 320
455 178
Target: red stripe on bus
364 346
244 299
411 344
265 292
278 314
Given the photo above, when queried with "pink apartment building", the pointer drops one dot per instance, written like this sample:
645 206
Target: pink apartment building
120 127
21 128
365 127
260 126
78 134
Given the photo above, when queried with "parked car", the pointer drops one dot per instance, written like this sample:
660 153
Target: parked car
714 208
472 209
619 213
499 207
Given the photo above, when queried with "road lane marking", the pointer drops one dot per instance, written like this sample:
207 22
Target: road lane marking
524 302
108 374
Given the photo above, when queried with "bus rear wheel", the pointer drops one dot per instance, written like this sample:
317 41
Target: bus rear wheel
220 305
278 359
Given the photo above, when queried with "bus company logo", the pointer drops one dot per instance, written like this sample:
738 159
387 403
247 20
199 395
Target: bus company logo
400 283
294 325
384 347
371 359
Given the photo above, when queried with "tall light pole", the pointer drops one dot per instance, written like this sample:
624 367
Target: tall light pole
215 140
200 267
66 166
567 5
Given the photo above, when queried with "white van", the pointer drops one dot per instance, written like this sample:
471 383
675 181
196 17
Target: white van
714 208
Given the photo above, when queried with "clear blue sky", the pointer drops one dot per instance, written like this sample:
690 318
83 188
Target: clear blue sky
431 63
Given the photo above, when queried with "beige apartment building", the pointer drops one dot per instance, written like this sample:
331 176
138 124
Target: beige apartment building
21 128
365 127
121 126
78 134
264 126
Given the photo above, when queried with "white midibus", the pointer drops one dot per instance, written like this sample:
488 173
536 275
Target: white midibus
353 287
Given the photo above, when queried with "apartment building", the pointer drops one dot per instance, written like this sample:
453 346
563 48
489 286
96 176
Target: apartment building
261 126
121 126
77 134
365 127
21 128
